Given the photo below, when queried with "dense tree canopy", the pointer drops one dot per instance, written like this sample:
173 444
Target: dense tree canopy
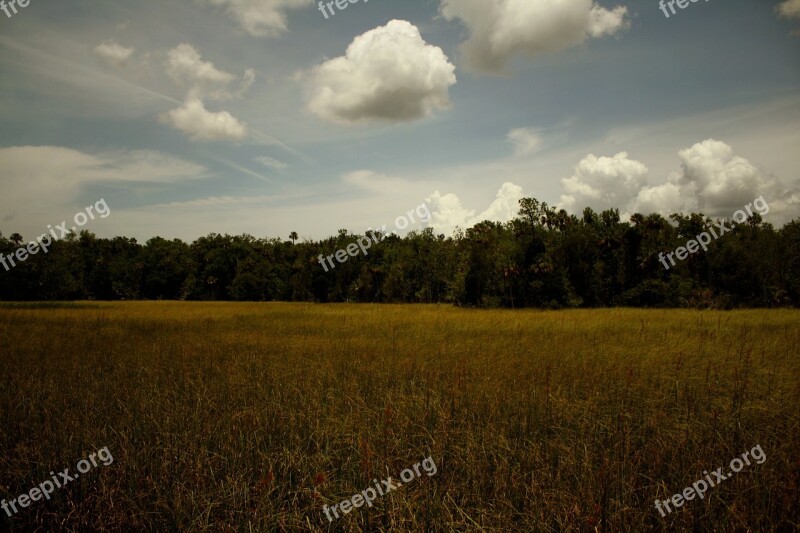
543 258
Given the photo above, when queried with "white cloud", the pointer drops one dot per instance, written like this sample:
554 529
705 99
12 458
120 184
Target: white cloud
711 180
41 178
260 18
502 29
113 53
505 206
447 213
388 73
272 163
603 182
213 201
186 68
665 199
790 9
247 81
56 164
201 125
604 22
526 140
184 65
375 182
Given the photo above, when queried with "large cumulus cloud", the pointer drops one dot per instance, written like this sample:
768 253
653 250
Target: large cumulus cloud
604 182
447 212
502 29
389 73
711 179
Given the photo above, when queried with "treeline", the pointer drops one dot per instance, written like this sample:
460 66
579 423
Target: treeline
543 258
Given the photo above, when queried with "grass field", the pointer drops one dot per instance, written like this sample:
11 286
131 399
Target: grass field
250 417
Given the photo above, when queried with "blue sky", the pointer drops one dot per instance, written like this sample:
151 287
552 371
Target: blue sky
264 117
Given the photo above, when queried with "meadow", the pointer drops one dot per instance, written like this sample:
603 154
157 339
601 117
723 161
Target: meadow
251 417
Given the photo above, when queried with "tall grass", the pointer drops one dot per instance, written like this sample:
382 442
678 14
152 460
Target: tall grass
250 417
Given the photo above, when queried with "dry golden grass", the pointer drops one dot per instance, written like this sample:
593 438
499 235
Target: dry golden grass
249 417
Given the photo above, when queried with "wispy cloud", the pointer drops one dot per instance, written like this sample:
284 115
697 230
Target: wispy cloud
525 140
271 162
113 53
260 18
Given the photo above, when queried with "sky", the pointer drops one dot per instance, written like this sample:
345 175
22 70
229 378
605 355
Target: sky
264 117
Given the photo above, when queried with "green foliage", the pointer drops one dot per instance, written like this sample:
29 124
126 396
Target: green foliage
544 258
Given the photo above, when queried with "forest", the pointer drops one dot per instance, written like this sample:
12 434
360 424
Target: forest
543 258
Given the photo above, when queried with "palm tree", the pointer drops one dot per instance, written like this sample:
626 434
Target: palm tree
16 238
293 236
